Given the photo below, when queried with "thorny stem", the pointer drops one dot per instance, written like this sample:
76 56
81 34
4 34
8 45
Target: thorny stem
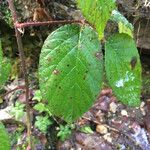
29 24
24 70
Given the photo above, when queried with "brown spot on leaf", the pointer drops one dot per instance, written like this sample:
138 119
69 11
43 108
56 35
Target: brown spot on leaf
56 72
98 55
84 77
49 59
133 62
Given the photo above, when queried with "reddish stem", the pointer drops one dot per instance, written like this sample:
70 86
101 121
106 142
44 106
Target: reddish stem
15 89
29 24
24 71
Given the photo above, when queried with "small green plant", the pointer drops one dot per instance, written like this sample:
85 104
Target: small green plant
18 111
37 96
42 123
40 106
86 129
65 131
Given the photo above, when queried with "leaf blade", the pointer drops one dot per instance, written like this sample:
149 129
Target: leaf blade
123 68
123 24
97 12
69 68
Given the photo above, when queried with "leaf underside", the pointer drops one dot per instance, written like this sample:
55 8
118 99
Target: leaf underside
123 68
4 138
97 12
123 24
70 70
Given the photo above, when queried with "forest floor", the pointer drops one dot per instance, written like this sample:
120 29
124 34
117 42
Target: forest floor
108 125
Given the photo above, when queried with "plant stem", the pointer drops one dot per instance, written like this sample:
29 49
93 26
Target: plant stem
24 71
13 90
29 24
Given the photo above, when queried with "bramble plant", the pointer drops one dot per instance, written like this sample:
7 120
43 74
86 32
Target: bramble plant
65 131
71 63
41 122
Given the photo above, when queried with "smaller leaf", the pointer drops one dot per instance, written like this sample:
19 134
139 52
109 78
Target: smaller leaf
42 123
123 23
18 110
123 68
97 12
40 107
37 96
87 130
64 132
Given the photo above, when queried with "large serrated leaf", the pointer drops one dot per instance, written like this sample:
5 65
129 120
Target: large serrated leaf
4 138
123 68
97 12
124 25
70 70
5 68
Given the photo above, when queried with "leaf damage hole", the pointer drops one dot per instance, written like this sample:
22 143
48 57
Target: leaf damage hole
56 72
49 59
133 62
98 55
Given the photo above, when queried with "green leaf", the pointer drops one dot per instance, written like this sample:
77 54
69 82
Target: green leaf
42 123
40 107
5 67
18 110
70 71
37 96
87 130
124 25
123 68
64 132
4 138
97 12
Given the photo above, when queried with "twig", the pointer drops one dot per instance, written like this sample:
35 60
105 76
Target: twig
24 70
96 122
13 90
116 130
29 24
